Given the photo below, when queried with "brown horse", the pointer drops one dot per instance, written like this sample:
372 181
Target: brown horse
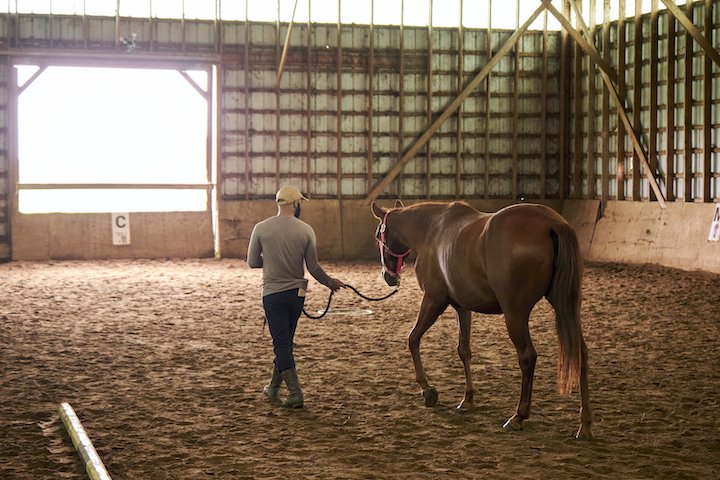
501 263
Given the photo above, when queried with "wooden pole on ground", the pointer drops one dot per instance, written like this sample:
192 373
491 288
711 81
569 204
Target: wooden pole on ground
93 465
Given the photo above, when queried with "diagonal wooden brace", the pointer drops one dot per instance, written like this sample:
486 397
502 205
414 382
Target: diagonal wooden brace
616 98
452 108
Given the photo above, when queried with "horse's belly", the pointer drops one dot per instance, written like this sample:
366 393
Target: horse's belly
489 308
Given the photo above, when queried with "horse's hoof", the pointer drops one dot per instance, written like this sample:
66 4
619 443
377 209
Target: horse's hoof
430 397
514 424
584 434
466 406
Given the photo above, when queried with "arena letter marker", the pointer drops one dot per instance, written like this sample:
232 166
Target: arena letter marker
93 465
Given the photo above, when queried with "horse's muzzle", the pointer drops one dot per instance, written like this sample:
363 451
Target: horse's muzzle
391 280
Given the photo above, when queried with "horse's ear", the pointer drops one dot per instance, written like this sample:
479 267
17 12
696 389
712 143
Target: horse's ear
399 204
378 211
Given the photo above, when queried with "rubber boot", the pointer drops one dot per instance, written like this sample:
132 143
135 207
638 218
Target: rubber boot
295 400
272 389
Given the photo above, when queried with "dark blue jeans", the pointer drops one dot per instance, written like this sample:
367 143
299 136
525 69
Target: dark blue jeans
282 311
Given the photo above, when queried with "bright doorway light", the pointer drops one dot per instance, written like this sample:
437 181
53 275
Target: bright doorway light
112 126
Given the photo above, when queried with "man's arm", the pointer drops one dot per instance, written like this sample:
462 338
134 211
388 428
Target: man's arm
254 253
311 262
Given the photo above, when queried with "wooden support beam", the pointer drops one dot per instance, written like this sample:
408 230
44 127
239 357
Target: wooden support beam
338 116
30 80
707 110
584 43
670 111
653 136
278 76
246 101
687 114
488 96
459 127
564 108
371 97
429 98
420 142
692 29
625 120
543 111
308 107
592 136
516 111
605 167
578 153
637 94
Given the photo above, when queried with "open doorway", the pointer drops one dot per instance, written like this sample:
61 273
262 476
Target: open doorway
112 140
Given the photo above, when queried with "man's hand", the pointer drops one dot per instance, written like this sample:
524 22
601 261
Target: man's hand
336 285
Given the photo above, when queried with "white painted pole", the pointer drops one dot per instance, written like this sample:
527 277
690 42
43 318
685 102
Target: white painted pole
93 465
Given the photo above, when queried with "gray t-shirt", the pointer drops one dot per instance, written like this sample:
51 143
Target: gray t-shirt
282 246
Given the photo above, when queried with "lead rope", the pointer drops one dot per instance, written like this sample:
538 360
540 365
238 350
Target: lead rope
370 299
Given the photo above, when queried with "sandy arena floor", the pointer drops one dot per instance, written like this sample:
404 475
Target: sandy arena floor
164 362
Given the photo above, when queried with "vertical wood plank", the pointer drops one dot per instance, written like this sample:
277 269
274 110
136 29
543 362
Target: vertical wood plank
488 96
605 168
688 174
246 68
637 96
429 111
578 115
401 96
516 106
458 130
620 171
371 97
653 136
278 54
308 107
592 134
707 109
564 106
670 112
338 116
543 111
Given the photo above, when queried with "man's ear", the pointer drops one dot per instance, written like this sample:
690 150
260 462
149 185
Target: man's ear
378 211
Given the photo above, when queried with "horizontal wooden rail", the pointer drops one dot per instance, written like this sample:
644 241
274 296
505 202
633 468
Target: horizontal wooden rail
115 186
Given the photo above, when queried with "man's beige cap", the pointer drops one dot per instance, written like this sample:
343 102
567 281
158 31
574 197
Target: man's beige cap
288 194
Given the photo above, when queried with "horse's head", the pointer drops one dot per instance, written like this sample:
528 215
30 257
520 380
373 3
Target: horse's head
392 250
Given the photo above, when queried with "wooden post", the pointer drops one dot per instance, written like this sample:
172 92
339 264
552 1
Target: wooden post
488 97
246 100
620 169
653 136
637 96
605 168
670 112
516 109
592 137
543 111
429 98
578 153
458 129
371 96
688 173
707 110
564 107
308 107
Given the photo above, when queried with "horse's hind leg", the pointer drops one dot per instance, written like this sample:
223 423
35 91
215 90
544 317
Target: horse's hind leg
584 433
517 326
464 318
429 312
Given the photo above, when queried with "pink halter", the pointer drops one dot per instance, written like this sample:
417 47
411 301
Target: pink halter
384 248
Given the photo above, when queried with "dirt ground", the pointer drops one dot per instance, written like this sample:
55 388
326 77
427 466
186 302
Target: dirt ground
164 363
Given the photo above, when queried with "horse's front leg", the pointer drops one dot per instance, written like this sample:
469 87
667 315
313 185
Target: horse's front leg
464 317
429 312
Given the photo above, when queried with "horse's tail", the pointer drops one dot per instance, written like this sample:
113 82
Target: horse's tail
565 296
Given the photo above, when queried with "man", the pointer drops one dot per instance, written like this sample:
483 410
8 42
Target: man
282 246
